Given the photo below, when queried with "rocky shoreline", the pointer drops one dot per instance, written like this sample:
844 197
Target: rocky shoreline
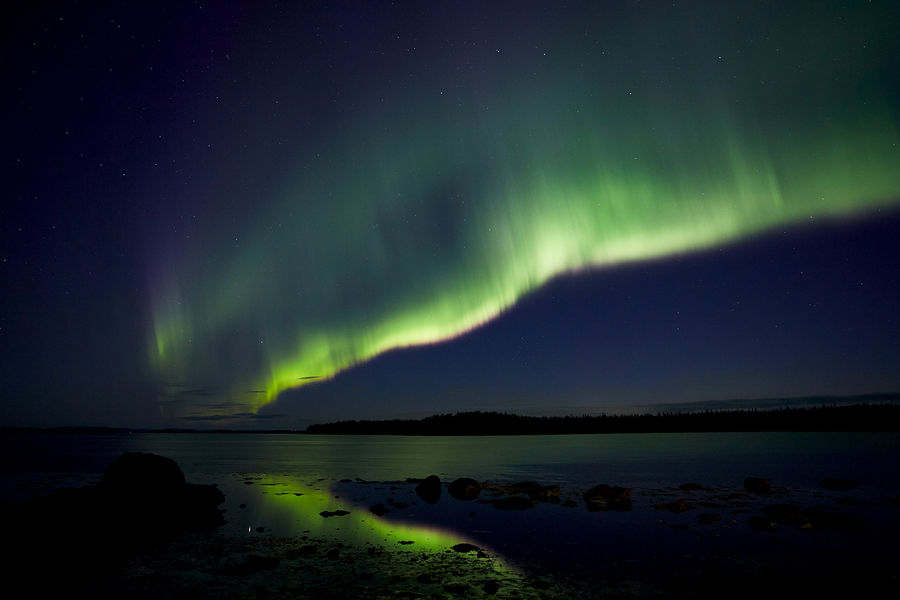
143 532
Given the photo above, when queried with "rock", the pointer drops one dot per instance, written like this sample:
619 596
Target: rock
604 497
756 485
491 588
141 500
513 503
147 491
379 510
198 506
335 513
464 489
464 547
143 471
548 493
429 490
839 484
535 491
690 487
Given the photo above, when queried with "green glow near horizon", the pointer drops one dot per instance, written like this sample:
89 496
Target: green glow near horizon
422 222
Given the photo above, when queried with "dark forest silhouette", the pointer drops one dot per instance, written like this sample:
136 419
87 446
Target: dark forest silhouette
858 417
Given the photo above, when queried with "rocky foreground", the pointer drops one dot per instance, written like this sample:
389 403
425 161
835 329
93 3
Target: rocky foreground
144 532
79 534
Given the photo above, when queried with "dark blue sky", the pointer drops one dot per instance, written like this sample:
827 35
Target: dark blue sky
188 184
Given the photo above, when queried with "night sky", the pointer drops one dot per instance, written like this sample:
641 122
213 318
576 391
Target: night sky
261 215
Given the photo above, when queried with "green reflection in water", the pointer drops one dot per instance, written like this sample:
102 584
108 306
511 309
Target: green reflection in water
293 508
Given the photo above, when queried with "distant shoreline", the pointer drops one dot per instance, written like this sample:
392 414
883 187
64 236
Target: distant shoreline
884 417
860 417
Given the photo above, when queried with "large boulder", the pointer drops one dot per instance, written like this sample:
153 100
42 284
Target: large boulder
140 470
148 491
142 499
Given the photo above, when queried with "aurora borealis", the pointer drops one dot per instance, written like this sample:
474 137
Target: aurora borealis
307 189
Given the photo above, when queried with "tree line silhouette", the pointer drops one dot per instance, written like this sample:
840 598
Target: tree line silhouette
857 417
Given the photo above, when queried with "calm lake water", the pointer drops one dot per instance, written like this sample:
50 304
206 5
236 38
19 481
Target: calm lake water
633 460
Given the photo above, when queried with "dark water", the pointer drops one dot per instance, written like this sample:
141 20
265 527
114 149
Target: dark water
286 481
794 459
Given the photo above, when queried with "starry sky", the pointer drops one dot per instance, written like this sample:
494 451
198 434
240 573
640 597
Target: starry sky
263 215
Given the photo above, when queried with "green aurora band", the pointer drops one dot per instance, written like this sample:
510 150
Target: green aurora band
430 213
